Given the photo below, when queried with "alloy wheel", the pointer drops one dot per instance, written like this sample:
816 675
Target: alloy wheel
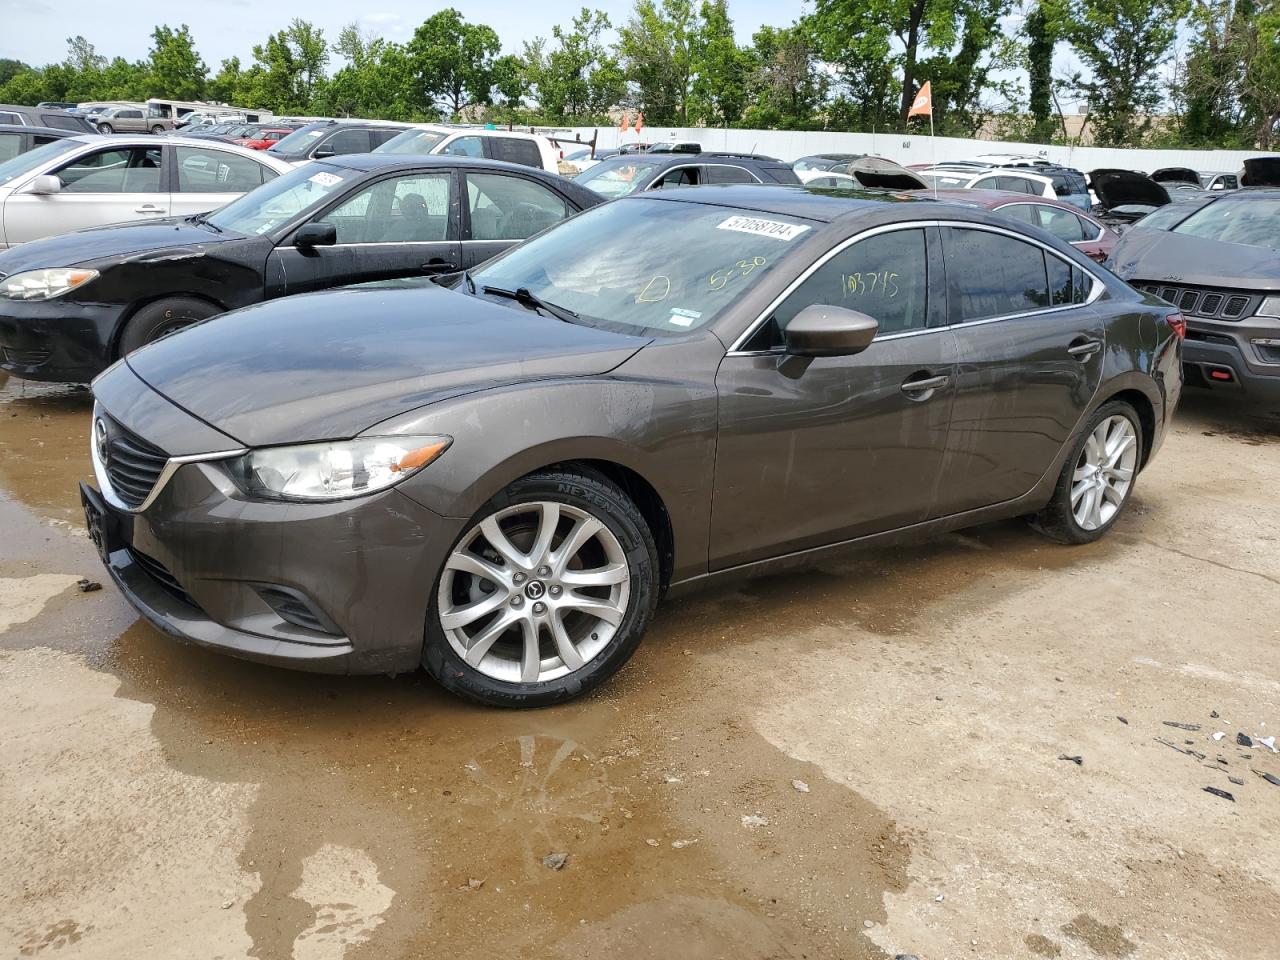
534 592
1104 473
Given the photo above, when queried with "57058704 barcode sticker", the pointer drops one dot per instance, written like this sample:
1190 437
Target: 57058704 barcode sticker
775 229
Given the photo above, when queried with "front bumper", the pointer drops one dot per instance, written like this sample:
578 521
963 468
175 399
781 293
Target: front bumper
208 566
57 340
1235 358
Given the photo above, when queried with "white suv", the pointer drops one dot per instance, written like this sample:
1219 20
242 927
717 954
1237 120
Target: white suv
423 139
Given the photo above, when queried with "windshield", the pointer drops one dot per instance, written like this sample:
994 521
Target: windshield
24 163
412 143
1246 221
945 181
813 164
1162 218
274 204
616 179
299 141
615 264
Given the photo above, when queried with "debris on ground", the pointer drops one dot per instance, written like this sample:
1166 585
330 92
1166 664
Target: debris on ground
1237 781
1123 720
681 844
1173 746
905 956
555 861
1268 742
1193 727
800 786
1219 793
753 820
1219 735
1213 714
651 842
88 586
474 884
939 898
1078 760
1244 740
1270 778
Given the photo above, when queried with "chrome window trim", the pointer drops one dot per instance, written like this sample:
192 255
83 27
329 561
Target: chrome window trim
736 350
377 243
166 474
1078 213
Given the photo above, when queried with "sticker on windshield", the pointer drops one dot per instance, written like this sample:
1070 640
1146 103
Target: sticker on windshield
325 179
774 229
683 318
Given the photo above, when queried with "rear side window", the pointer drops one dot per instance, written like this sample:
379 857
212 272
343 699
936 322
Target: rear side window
213 171
10 145
378 137
60 121
511 208
884 276
130 114
726 174
515 150
11 118
1061 284
781 174
993 275
464 147
1063 224
680 177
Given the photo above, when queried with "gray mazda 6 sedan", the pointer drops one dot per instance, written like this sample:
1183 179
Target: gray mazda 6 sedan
498 477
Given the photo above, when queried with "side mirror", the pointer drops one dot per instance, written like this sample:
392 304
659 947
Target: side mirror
824 331
45 184
315 235
322 152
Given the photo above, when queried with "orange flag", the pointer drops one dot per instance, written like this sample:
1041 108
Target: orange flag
626 122
639 122
923 103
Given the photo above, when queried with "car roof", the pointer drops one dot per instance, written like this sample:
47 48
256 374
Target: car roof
990 199
368 162
671 158
791 200
60 132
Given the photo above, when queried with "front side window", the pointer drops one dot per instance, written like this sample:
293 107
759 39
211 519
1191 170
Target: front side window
510 208
681 177
993 275
33 160
464 147
344 142
399 210
123 170
646 265
884 276
213 171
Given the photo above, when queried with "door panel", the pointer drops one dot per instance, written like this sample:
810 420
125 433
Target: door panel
401 226
1019 391
813 451
107 186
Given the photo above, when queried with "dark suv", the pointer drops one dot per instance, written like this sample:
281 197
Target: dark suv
632 173
44 117
334 138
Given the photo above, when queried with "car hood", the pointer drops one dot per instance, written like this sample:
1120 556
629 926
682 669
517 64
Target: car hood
1261 172
331 365
99 243
1176 175
1158 255
1118 188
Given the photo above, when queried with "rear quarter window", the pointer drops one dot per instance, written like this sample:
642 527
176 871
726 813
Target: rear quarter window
515 150
777 173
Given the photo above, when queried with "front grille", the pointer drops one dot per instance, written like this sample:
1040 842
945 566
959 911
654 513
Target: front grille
158 572
133 465
1199 302
25 358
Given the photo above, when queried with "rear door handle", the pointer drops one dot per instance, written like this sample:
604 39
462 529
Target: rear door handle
1085 348
926 385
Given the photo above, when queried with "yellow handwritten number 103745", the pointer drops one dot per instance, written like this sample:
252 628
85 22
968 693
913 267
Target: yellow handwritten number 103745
860 284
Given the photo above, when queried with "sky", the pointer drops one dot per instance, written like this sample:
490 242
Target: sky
36 30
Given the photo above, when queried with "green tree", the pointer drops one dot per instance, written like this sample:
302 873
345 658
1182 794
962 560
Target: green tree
10 68
510 81
453 60
1041 31
577 78
175 71
786 89
1259 46
310 56
722 69
1122 44
656 50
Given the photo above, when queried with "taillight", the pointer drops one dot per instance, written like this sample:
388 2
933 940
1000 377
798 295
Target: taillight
1179 324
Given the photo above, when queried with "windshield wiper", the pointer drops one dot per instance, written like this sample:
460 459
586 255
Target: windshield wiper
523 295
453 279
203 220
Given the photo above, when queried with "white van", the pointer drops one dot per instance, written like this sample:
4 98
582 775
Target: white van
423 139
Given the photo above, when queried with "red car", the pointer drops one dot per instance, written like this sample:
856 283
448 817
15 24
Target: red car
1089 235
264 137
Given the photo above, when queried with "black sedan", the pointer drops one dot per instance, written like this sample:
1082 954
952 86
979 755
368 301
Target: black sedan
71 305
499 480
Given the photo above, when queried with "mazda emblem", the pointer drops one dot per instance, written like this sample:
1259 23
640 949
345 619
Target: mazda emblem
100 440
535 590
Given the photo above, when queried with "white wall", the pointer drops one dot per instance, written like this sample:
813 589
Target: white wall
791 145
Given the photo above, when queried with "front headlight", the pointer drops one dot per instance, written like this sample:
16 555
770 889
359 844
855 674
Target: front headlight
44 284
333 471
1270 307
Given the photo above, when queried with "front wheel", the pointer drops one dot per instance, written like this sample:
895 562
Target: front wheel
157 130
162 318
106 128
1097 479
546 594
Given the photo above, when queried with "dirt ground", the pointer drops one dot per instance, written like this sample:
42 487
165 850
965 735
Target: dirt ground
861 761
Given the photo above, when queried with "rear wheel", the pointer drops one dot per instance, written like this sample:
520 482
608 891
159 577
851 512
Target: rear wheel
157 130
546 594
162 318
1097 479
106 128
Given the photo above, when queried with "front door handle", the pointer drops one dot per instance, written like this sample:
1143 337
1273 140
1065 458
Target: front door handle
921 389
148 208
1084 348
436 265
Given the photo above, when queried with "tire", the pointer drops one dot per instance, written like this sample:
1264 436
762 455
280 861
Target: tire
1096 481
106 128
162 318
157 130
502 672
